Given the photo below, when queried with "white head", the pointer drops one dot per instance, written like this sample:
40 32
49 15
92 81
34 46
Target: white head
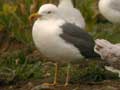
46 11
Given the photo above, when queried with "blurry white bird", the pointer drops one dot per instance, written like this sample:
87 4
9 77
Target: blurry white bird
59 40
110 9
71 14
109 52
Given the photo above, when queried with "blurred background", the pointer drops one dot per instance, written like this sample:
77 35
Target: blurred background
19 59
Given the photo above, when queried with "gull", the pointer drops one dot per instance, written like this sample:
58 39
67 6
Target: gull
109 52
60 41
71 14
110 9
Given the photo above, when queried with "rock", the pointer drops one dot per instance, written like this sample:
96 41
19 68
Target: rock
42 87
30 85
108 88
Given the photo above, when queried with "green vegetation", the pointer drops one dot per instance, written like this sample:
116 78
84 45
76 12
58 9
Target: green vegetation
15 64
14 23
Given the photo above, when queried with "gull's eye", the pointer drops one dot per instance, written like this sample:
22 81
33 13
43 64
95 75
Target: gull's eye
49 12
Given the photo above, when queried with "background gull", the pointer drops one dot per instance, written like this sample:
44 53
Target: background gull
110 53
71 14
110 9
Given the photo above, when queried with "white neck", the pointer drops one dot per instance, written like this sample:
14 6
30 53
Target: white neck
65 3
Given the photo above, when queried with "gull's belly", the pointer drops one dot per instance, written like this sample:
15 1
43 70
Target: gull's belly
54 47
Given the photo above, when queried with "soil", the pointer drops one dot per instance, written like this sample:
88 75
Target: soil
36 85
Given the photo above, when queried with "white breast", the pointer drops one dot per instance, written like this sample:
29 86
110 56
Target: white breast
47 40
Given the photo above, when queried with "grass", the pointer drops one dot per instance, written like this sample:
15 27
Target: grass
14 23
14 64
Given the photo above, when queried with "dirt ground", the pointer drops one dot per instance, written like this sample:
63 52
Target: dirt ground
36 85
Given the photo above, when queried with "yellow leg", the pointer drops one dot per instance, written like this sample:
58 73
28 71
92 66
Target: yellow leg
68 76
55 77
56 74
